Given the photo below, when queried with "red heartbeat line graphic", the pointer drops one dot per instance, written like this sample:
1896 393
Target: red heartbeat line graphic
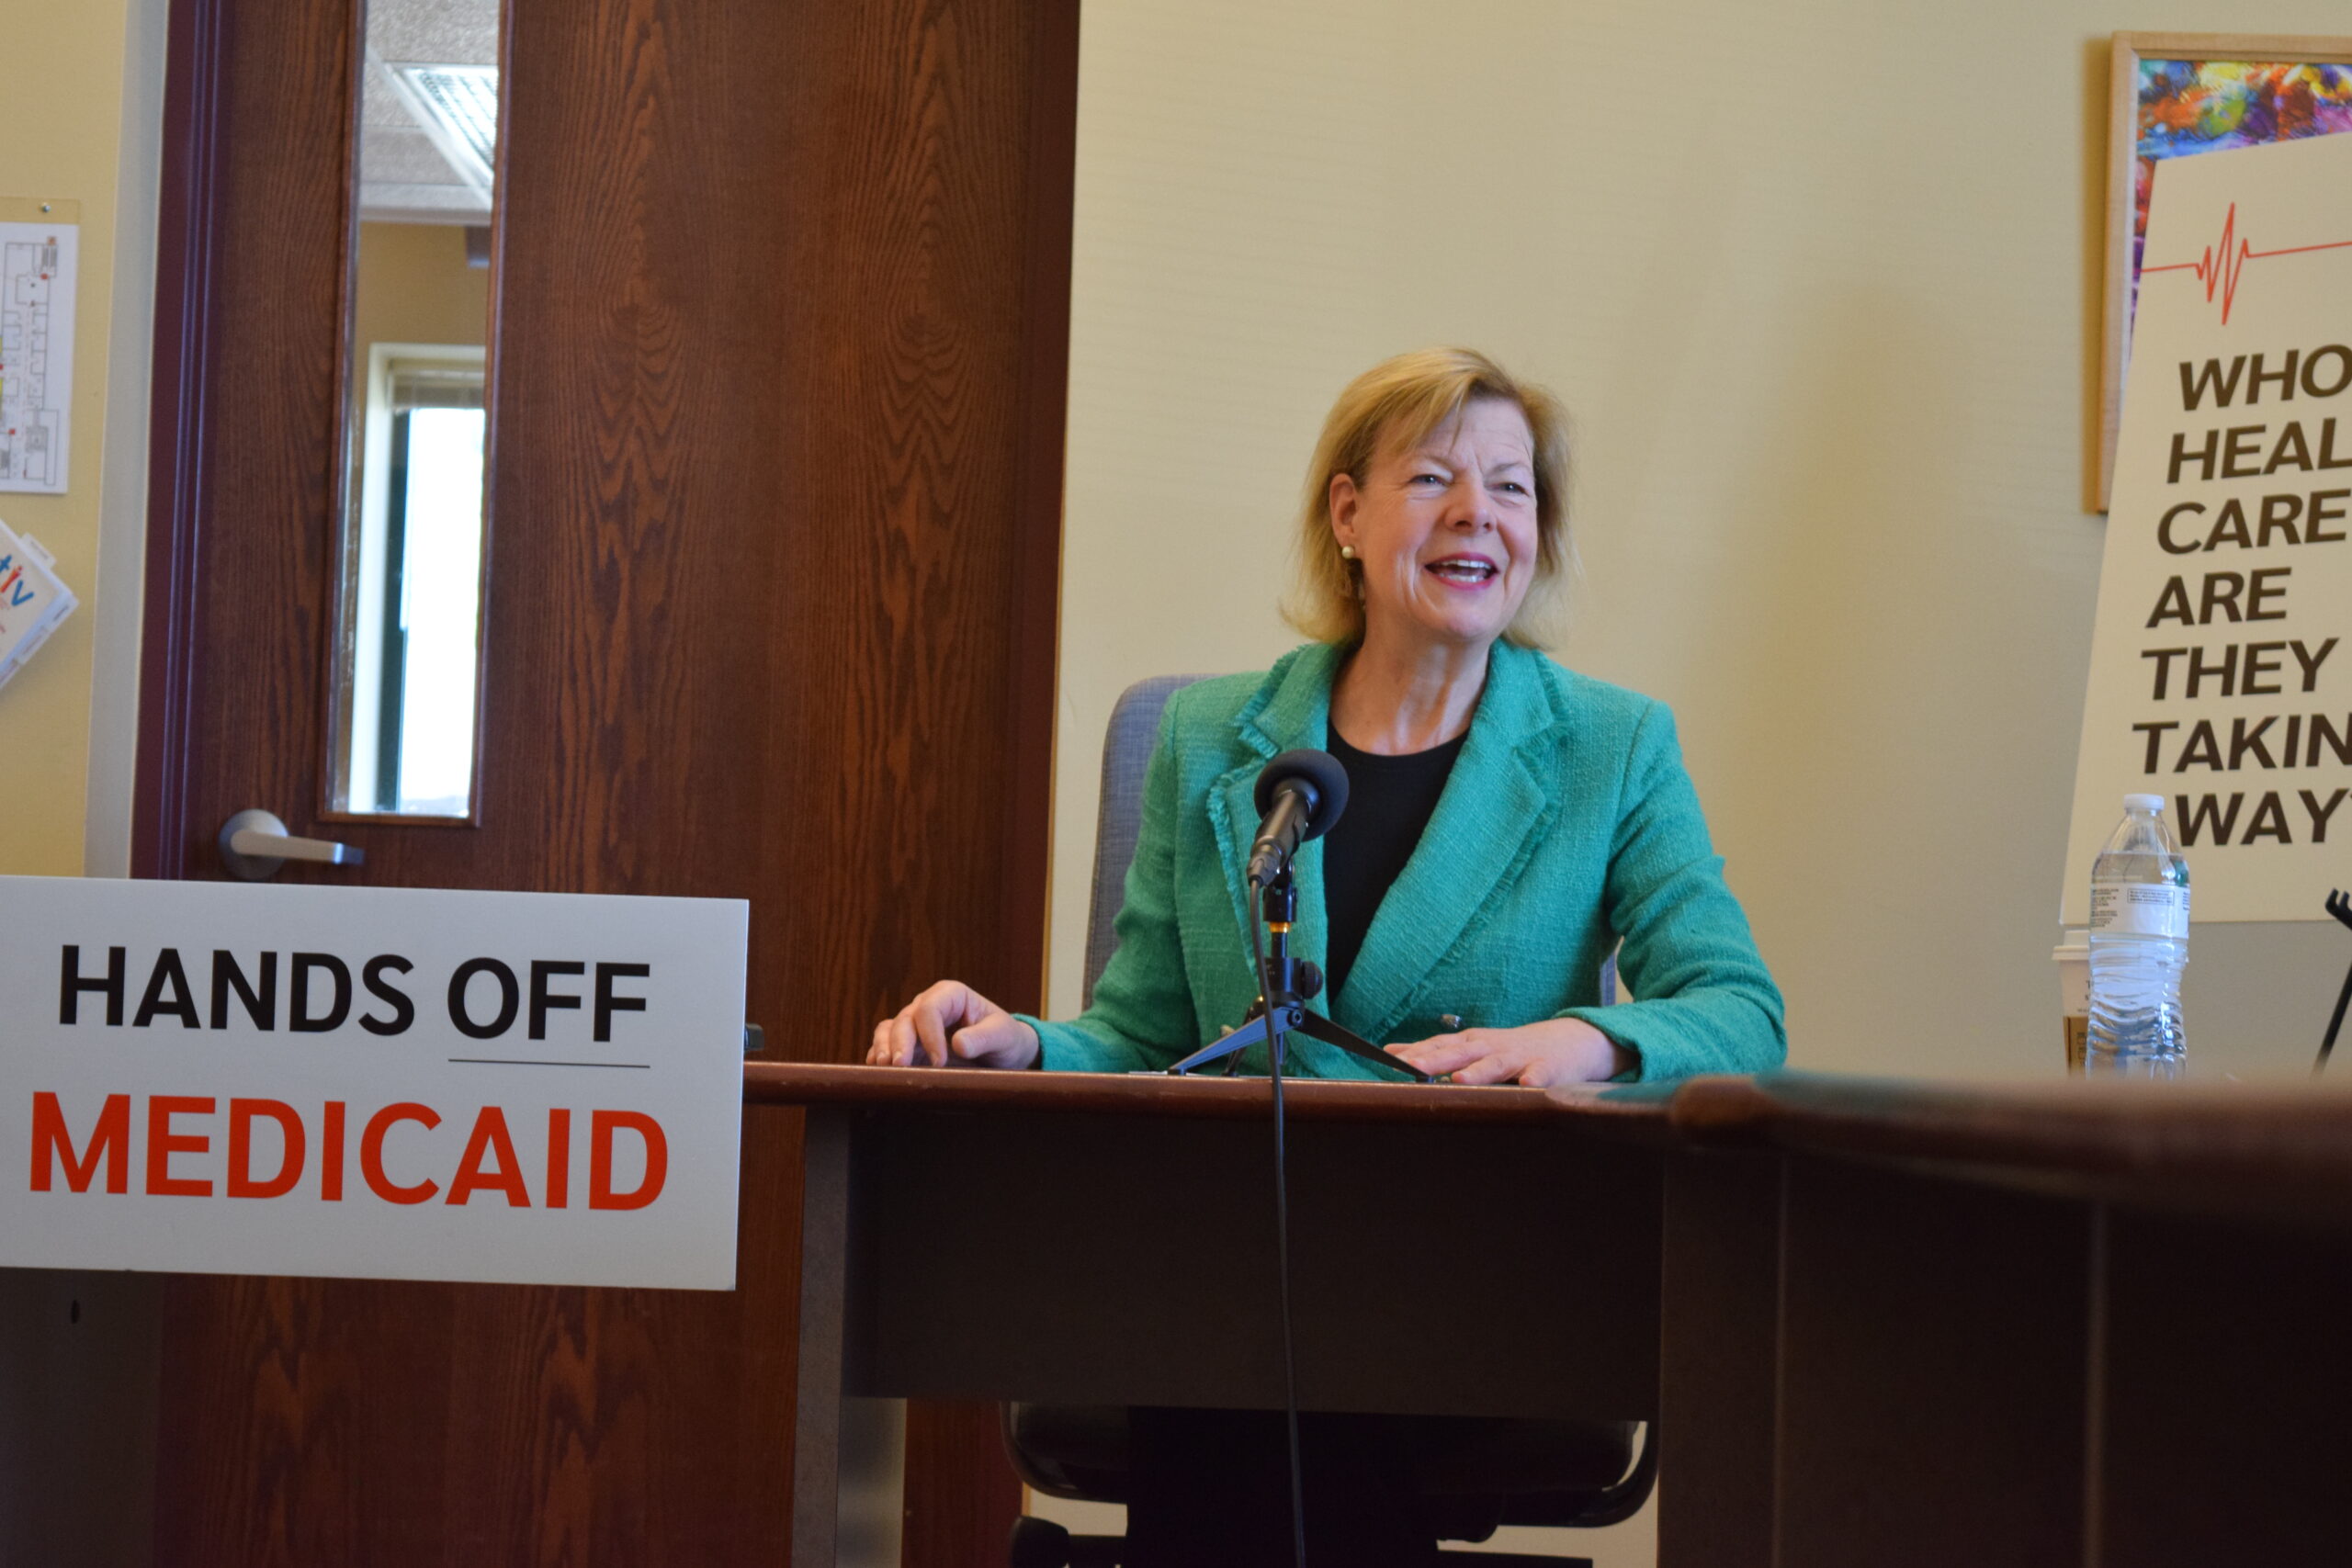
2221 271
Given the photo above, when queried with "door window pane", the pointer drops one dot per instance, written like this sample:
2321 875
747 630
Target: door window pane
408 630
413 586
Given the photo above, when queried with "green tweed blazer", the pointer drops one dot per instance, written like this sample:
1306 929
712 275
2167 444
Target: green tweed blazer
1569 823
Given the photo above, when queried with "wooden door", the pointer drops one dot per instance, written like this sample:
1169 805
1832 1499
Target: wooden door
776 396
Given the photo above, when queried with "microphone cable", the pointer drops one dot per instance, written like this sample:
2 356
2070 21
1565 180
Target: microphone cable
1281 1240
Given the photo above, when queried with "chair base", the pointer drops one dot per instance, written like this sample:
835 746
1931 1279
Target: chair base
1041 1543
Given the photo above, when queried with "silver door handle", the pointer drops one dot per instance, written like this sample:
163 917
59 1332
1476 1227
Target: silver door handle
254 844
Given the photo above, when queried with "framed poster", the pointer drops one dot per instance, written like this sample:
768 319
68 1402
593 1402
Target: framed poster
2173 95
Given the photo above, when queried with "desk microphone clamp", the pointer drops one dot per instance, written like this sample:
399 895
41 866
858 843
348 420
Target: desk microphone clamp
1292 981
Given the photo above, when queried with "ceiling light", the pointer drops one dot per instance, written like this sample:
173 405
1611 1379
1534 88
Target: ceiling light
458 108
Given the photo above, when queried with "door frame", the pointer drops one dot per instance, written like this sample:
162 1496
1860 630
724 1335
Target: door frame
186 233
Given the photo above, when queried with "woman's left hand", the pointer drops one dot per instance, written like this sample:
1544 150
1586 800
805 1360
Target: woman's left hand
1556 1051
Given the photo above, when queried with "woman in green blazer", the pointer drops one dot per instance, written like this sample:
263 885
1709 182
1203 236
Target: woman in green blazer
1432 537
1508 824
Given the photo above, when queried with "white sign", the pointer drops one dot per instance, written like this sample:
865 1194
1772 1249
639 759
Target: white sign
2221 660
381 1083
37 278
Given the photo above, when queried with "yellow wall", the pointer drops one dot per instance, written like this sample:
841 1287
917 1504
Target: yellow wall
415 287
64 142
1817 281
412 286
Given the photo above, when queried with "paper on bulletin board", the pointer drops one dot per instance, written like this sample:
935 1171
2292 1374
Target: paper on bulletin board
33 599
39 262
2221 670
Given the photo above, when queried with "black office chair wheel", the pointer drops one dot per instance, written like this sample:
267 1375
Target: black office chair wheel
1041 1543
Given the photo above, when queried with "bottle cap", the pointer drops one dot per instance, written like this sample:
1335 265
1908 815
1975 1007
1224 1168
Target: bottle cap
2144 802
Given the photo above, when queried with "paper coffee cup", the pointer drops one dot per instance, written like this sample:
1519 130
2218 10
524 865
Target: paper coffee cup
2072 957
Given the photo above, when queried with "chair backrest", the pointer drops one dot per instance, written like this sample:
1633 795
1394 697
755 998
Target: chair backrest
1126 751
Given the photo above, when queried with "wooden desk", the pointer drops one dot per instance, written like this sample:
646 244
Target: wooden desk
1100 1239
2071 1324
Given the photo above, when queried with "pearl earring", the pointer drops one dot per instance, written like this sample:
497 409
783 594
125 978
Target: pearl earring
1347 552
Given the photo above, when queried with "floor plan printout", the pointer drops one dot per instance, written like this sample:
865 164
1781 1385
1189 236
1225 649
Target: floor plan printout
37 268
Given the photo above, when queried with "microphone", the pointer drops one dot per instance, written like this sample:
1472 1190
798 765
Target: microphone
1300 795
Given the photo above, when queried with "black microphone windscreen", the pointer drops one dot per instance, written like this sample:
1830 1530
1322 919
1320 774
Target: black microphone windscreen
1319 769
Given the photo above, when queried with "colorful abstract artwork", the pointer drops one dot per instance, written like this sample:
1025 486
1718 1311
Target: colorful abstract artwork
2171 96
2209 106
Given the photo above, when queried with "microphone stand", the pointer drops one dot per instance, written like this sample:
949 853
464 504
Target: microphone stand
1292 981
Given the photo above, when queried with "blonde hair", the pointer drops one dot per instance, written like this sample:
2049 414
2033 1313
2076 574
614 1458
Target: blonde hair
1393 406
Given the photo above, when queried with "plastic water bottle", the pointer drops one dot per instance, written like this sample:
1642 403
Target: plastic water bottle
2139 942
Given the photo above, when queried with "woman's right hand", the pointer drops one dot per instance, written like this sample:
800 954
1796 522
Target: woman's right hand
952 1025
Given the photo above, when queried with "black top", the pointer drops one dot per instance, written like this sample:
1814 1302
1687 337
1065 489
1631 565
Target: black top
1390 802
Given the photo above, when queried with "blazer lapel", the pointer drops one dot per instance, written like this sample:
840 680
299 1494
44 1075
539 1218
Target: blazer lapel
1233 808
1494 806
1291 709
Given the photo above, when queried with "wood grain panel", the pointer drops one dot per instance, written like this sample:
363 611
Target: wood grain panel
250 298
776 408
1719 1339
1069 1301
1634 1118
949 1520
276 1438
2259 1151
1932 1366
1048 202
893 735
2221 1427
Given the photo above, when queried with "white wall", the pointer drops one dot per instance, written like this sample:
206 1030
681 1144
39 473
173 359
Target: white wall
1818 282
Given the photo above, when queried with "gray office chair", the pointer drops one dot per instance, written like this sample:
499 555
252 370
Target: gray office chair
1578 1474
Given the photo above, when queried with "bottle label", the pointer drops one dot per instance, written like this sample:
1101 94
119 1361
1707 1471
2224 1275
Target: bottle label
2136 908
